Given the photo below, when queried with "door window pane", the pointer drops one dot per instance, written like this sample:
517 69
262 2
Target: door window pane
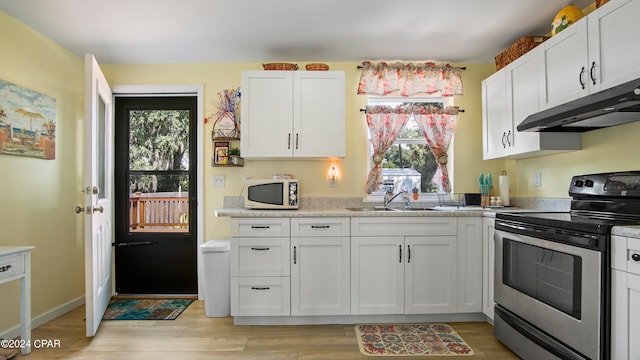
102 141
159 170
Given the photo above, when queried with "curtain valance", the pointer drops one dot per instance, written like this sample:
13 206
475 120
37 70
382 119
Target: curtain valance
409 79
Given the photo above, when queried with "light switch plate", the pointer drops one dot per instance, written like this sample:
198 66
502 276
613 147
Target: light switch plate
537 179
218 180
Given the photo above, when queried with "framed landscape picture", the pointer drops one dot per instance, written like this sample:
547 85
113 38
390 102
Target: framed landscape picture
27 122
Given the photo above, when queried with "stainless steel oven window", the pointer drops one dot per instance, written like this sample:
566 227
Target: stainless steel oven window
550 276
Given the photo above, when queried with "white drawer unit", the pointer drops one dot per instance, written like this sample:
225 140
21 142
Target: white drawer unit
260 256
329 226
625 297
404 226
11 266
15 264
260 296
260 227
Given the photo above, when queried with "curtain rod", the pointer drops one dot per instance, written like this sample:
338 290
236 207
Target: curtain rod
461 68
365 110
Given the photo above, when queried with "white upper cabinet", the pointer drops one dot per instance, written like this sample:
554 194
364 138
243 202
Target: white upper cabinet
595 53
508 97
291 114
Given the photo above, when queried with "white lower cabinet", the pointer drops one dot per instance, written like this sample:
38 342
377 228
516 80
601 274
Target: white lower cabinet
625 298
320 283
412 265
260 272
329 266
488 249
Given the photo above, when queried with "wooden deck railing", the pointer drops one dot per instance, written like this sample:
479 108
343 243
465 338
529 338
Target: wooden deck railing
158 213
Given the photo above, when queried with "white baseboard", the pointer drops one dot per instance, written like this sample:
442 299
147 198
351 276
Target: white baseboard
14 332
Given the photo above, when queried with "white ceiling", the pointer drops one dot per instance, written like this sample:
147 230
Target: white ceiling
202 31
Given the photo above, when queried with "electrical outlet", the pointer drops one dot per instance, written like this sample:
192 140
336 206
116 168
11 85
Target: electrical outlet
537 179
218 180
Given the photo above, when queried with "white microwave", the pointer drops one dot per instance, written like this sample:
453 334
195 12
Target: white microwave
271 194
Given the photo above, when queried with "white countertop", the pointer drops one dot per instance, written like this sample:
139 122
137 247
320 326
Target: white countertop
630 231
319 212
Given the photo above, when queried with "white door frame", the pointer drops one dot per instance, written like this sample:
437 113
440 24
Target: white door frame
181 90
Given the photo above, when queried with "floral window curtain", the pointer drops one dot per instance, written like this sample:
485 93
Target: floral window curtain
438 125
385 124
398 79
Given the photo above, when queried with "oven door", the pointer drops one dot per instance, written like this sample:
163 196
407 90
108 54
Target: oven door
553 286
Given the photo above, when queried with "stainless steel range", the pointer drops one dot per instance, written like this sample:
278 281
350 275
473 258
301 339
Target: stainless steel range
552 270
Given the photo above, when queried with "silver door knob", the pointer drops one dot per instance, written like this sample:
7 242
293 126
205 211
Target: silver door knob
79 209
99 209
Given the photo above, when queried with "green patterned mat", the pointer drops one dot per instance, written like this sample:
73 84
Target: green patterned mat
410 340
145 309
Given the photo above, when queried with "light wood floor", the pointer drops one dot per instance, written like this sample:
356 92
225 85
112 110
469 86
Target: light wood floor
195 336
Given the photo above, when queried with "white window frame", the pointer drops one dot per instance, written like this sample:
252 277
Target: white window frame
393 101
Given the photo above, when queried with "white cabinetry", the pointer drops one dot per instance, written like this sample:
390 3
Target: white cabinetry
625 294
488 249
320 283
260 272
593 54
412 265
289 114
509 96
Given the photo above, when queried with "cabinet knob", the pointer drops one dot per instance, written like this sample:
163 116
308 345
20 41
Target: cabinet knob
635 257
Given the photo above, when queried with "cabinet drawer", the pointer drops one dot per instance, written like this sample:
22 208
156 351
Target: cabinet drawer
260 296
262 227
320 227
11 266
260 257
633 250
403 226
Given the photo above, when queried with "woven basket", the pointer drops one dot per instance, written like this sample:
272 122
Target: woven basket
280 66
517 49
317 67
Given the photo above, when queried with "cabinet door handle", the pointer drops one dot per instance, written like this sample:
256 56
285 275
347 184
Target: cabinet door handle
400 248
408 253
260 288
320 226
259 226
294 256
260 248
296 141
504 141
591 74
635 257
580 78
509 138
289 142
5 268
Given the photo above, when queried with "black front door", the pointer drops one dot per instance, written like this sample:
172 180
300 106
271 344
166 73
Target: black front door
155 195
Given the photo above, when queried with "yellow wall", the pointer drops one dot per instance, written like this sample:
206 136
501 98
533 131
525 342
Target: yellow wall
37 197
604 150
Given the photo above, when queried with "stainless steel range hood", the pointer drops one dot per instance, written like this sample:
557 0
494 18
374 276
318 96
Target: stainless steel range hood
614 106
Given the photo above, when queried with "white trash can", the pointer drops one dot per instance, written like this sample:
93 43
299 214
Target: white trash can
215 259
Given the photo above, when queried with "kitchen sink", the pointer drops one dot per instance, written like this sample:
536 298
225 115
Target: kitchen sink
383 208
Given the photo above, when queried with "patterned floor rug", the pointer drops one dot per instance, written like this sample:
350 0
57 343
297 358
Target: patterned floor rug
145 309
410 340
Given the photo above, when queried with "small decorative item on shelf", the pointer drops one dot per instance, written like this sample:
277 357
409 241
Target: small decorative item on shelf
317 67
280 66
226 123
565 17
416 193
234 156
220 153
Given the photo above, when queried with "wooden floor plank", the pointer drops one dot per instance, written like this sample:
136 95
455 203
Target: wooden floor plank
194 336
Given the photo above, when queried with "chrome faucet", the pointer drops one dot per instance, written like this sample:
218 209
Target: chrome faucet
388 199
